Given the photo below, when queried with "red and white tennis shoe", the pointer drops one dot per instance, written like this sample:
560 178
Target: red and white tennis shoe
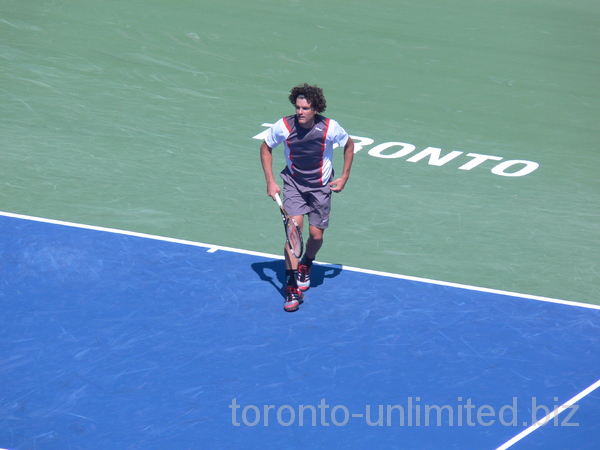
303 279
293 299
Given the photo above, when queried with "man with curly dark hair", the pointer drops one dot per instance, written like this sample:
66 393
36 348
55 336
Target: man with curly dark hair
313 94
308 180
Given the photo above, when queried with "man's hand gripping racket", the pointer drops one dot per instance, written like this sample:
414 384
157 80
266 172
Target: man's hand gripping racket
293 233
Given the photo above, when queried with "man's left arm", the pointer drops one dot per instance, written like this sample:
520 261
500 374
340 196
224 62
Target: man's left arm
339 184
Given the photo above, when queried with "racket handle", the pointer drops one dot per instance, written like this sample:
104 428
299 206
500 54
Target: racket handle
278 199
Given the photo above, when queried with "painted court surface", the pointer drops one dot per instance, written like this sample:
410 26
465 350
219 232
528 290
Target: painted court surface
456 302
146 342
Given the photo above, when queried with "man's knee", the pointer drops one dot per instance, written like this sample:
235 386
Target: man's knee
316 234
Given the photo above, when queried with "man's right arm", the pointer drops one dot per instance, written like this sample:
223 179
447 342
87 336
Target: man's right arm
266 159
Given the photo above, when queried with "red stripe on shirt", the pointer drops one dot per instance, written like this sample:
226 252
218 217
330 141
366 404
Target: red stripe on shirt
323 148
289 145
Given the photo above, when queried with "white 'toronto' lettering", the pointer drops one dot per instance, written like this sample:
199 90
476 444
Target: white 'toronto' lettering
396 150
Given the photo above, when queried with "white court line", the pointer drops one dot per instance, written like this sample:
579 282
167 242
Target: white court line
549 416
213 248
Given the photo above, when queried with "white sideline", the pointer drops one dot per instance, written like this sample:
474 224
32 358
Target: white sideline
213 248
549 416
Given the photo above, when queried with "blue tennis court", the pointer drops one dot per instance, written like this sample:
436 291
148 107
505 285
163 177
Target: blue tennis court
113 339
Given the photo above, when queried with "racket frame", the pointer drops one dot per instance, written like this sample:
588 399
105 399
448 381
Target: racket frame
286 219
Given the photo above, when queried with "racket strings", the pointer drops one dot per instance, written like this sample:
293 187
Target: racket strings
294 238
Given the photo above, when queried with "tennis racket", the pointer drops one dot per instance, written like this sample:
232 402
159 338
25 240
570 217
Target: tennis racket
293 233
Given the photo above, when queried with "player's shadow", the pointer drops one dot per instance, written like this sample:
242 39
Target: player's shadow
273 272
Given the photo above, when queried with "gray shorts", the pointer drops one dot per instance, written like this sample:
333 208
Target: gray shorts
300 200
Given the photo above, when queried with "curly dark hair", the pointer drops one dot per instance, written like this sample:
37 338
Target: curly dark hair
313 94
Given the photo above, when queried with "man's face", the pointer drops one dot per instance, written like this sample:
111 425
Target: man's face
305 113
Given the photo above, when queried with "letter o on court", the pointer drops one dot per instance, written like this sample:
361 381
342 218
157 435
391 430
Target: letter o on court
377 151
501 168
245 415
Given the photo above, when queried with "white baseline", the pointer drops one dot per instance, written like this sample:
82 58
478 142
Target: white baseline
213 248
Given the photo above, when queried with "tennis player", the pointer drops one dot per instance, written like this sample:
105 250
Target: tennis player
308 178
